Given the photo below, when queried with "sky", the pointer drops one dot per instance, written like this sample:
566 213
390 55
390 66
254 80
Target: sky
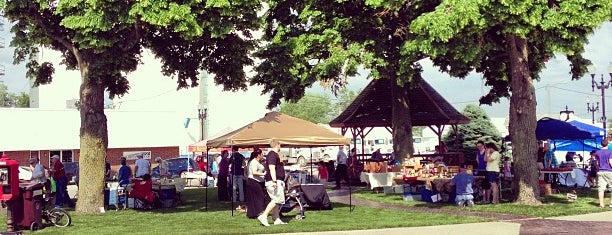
554 92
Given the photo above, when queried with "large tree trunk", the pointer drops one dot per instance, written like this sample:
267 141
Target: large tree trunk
401 121
523 123
94 141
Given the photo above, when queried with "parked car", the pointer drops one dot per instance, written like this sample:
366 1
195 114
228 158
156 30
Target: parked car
181 167
25 173
71 170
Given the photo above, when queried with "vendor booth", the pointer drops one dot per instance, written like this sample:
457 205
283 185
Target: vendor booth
569 136
289 131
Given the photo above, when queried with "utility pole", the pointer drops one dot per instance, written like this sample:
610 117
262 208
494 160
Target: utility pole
602 86
592 109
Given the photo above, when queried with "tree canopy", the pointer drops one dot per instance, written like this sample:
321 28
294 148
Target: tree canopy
328 41
105 40
508 42
315 108
9 99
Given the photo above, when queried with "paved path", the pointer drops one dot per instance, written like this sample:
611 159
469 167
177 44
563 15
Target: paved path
592 224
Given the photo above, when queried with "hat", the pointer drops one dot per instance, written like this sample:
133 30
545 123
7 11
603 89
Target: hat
32 160
158 159
55 156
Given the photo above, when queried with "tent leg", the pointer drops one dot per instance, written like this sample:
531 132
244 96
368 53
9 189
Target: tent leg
311 176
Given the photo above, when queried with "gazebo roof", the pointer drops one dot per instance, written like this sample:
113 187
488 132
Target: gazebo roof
373 107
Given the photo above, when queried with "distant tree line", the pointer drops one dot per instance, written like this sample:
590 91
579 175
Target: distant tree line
9 99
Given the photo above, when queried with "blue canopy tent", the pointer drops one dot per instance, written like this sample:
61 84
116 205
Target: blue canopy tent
570 136
585 144
554 129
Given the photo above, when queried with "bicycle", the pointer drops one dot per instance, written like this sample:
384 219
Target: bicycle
56 216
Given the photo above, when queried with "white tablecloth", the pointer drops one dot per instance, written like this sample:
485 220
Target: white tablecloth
578 176
378 179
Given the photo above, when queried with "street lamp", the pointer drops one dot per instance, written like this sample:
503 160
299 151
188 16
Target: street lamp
567 113
592 109
601 86
202 113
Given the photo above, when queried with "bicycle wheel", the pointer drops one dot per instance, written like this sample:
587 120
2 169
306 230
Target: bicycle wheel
59 218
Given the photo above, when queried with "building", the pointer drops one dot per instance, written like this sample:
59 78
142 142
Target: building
150 119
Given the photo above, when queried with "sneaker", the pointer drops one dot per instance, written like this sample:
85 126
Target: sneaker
470 203
57 207
279 221
263 220
461 203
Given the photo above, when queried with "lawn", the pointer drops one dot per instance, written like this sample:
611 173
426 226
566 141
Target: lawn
192 218
552 206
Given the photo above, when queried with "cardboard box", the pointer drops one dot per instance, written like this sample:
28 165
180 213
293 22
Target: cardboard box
545 189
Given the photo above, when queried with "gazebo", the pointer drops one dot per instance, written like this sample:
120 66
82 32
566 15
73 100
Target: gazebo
373 108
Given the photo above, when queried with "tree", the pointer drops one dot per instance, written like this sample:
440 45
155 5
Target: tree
479 128
9 99
312 107
327 41
104 40
6 98
22 100
508 42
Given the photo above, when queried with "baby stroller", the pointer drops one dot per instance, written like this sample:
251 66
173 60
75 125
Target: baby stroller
293 197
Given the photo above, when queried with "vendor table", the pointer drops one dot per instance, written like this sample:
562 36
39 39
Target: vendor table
561 175
378 179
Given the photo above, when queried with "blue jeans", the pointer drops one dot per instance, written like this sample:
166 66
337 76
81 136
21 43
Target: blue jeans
61 193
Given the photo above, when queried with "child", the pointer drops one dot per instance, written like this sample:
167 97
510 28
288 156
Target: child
593 168
507 169
323 176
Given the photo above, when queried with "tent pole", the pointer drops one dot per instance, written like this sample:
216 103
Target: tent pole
206 182
311 176
232 179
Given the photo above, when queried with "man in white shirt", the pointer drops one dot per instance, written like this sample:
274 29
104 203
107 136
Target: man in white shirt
142 167
341 168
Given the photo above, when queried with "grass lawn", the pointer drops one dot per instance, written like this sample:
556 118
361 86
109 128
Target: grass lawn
192 218
552 206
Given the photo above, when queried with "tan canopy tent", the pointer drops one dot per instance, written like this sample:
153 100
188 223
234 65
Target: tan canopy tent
288 130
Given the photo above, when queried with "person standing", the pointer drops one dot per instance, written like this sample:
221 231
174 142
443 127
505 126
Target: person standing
593 169
237 161
162 166
38 171
107 169
550 161
604 175
493 161
256 196
275 185
341 168
125 172
142 166
61 183
481 153
222 192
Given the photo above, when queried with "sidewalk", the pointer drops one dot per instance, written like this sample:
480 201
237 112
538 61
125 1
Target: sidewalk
594 224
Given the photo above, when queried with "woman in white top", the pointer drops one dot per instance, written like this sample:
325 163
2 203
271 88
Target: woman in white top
256 196
493 159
